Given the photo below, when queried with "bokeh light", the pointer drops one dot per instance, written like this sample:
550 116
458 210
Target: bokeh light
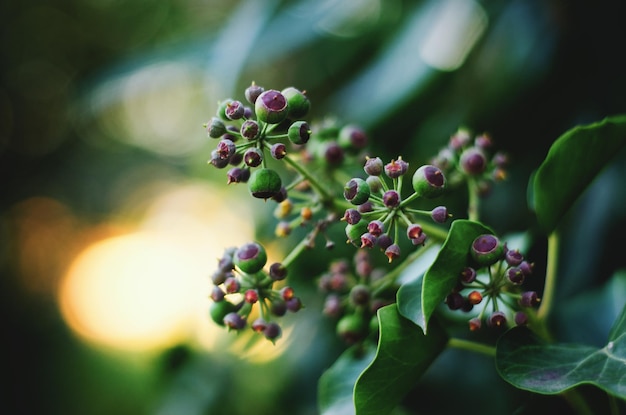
145 290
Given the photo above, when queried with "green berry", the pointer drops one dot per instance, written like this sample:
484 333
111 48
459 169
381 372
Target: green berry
219 310
250 258
354 232
271 107
352 328
299 132
429 181
356 191
264 183
487 250
299 103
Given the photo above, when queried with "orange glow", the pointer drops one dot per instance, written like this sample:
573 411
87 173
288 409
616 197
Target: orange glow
149 289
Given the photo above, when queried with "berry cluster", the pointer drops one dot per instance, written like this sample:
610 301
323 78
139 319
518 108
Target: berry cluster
247 134
352 298
494 280
380 210
464 160
243 288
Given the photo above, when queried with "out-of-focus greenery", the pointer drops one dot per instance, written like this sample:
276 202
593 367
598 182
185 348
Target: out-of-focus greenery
101 100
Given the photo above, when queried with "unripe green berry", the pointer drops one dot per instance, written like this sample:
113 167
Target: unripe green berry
218 310
271 107
429 181
356 191
354 232
352 328
250 258
299 132
264 183
487 250
299 103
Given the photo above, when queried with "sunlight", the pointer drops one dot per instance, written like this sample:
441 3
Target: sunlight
149 288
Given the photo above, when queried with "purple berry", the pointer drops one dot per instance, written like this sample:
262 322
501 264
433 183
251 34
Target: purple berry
391 198
373 166
529 299
278 151
249 129
253 157
376 227
473 161
352 216
396 168
234 321
272 331
252 92
440 214
234 110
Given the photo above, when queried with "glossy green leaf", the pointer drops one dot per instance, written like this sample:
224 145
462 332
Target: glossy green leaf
572 163
403 355
336 385
418 299
523 360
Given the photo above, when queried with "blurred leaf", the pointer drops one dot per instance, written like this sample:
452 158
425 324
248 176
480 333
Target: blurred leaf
572 163
418 299
523 360
336 386
403 355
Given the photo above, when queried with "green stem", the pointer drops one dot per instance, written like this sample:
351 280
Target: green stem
302 245
550 282
311 179
472 346
474 200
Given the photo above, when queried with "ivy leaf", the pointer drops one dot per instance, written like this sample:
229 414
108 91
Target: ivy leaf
573 161
418 299
403 355
524 361
336 385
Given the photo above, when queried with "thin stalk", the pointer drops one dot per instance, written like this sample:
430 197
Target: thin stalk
311 179
550 282
472 346
474 200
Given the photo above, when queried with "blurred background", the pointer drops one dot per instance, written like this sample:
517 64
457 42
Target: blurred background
111 221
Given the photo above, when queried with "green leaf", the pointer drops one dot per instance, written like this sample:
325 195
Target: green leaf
572 163
418 299
403 355
524 361
336 385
